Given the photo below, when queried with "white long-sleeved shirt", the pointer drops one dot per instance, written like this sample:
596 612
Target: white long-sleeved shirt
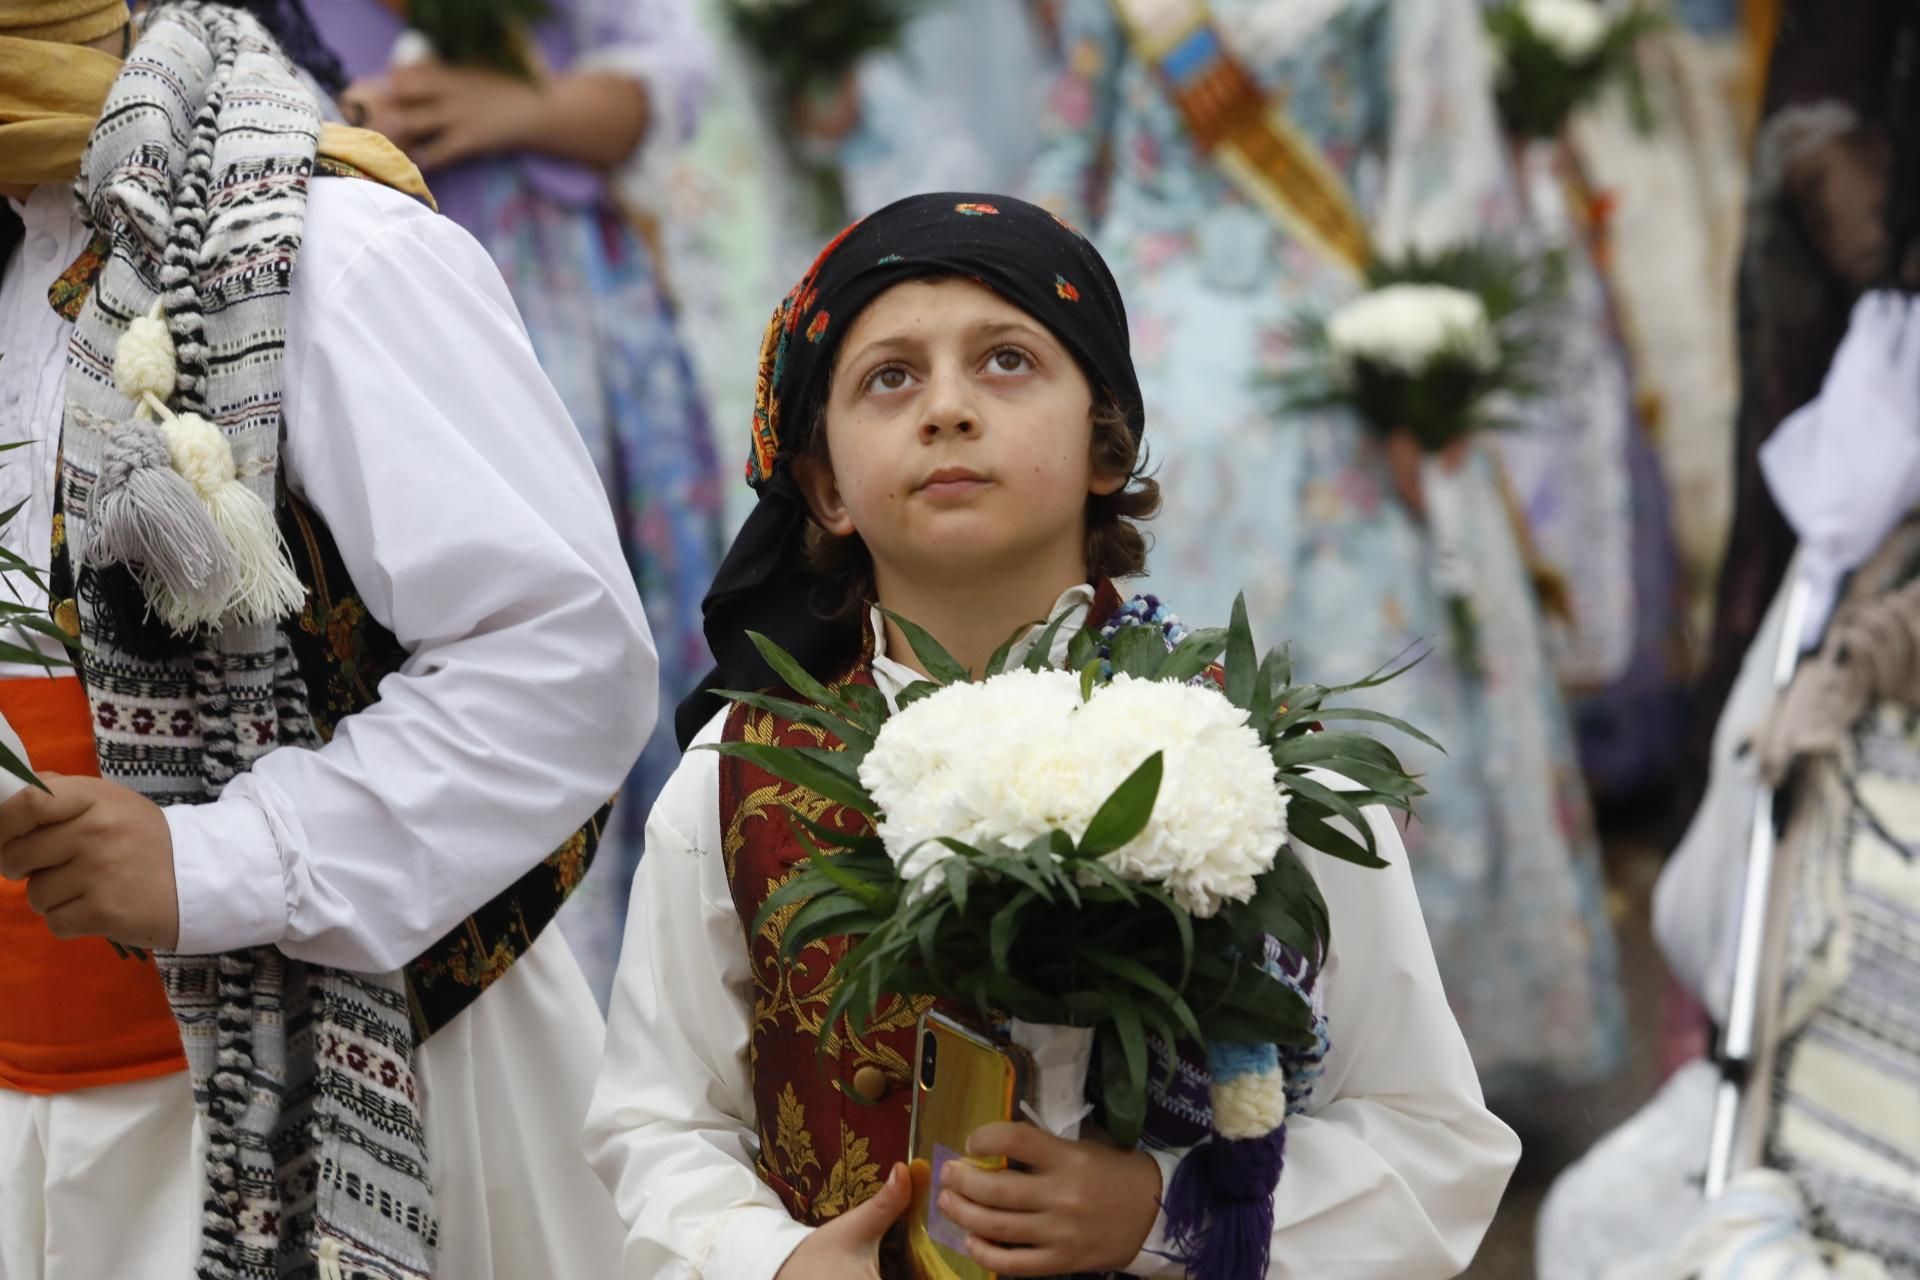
1394 1172
421 429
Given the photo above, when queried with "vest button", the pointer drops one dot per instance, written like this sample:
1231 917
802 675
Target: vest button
66 616
871 1083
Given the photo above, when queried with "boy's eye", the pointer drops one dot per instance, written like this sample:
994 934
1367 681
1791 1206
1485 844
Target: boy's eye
1009 360
889 378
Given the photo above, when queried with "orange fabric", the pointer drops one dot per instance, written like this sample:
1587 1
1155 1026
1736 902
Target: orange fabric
73 1014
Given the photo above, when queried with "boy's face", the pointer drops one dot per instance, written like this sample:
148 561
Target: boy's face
959 430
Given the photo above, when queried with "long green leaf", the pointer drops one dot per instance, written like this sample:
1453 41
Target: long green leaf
1332 841
1140 976
1040 655
1194 654
790 765
1138 652
1242 664
867 895
938 663
13 764
1125 813
788 668
1125 1098
864 842
1000 933
1379 717
805 713
998 662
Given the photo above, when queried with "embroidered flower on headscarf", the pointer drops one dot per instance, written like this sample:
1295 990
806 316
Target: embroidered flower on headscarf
817 327
974 210
1065 290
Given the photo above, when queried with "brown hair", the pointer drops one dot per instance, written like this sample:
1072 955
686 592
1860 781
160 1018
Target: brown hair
1116 547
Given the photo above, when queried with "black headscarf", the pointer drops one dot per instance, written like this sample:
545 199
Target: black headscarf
1021 252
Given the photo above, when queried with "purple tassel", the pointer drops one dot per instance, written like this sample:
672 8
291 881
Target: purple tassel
1220 1206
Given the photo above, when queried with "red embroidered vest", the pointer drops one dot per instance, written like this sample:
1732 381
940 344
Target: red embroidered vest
830 1124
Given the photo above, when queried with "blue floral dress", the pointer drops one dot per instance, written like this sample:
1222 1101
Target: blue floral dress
1296 509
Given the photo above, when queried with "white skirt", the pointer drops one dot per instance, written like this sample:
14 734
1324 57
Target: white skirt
106 1182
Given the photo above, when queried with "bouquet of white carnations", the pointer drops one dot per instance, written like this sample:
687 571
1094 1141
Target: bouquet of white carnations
1433 345
1100 845
1552 57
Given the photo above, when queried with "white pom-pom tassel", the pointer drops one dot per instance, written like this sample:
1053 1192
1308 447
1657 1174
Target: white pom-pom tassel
265 587
143 361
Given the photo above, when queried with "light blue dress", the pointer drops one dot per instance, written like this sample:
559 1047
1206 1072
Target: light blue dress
1297 510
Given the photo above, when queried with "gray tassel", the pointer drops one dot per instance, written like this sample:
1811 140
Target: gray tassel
146 516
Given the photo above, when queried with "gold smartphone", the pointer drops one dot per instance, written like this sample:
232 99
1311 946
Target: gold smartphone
963 1079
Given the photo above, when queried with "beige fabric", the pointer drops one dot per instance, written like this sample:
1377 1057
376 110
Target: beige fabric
65 21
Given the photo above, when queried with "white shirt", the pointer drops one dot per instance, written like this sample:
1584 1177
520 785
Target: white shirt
1395 1171
420 428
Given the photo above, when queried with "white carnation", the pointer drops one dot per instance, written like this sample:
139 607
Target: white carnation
1015 757
1574 29
1407 326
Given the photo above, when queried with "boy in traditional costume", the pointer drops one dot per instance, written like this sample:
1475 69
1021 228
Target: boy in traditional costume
359 663
949 424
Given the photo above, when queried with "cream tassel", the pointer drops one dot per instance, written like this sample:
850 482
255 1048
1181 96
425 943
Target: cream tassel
265 587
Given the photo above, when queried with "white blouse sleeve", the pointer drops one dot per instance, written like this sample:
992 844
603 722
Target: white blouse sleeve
1396 1169
671 1130
466 511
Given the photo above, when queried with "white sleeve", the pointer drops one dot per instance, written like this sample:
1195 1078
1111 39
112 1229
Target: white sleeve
1396 1169
466 511
671 1127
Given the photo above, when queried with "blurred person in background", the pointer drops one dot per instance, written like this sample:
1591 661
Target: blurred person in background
524 158
1311 510
1817 235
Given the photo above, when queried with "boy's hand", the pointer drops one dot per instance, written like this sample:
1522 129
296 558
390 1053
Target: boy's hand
848 1248
97 858
1073 1206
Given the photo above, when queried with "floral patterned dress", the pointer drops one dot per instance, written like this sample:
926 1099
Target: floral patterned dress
1297 510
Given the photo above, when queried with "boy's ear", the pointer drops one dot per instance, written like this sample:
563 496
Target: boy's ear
814 476
1103 484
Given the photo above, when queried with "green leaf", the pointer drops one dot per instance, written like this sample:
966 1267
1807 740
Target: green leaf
805 713
788 668
1140 976
1000 934
822 917
867 895
1040 656
936 660
914 692
1312 791
1124 1074
1378 717
955 871
1332 744
803 885
1331 841
1083 650
867 705
998 662
928 935
1089 676
1242 665
1194 654
864 842
1138 651
789 764
13 764
1125 813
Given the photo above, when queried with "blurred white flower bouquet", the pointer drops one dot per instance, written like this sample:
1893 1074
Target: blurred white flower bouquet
1552 57
1101 845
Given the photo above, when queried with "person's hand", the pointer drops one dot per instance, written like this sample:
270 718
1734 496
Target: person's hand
97 858
848 1248
440 115
1068 1207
